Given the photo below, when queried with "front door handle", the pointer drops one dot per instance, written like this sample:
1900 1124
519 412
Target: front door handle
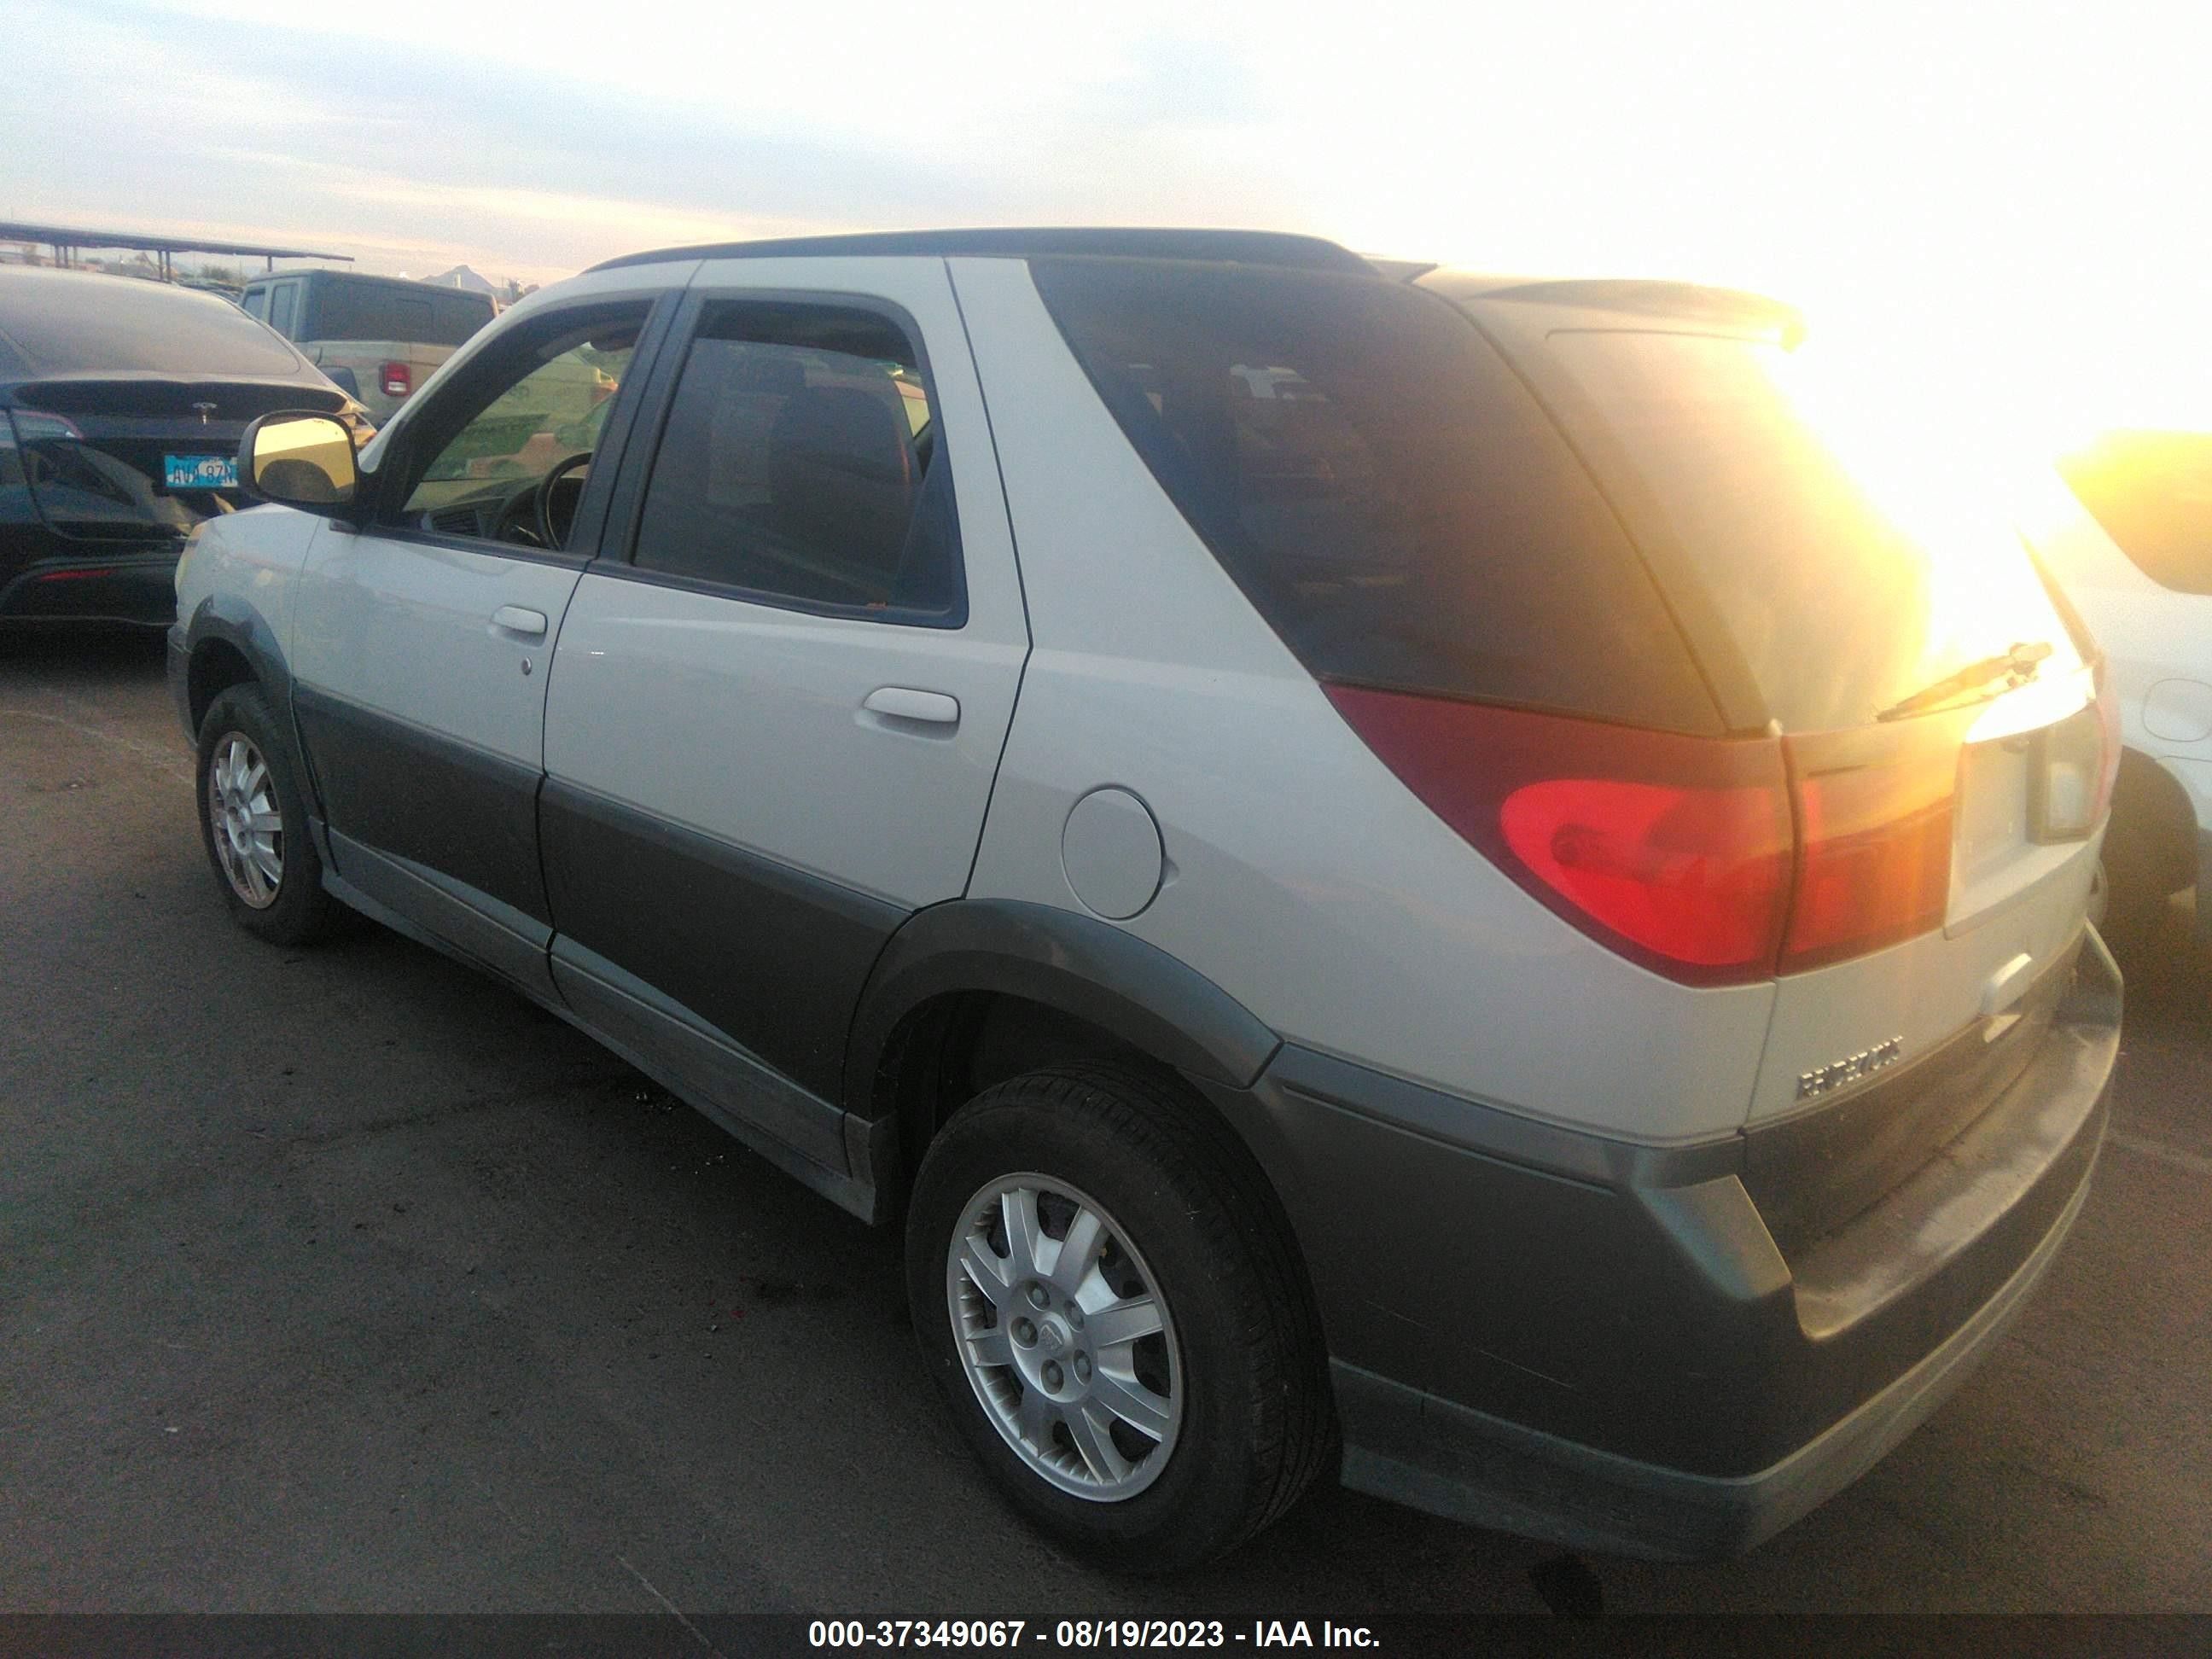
903 702
516 620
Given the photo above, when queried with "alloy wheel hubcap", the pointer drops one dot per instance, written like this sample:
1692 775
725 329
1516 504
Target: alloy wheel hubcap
1063 1337
248 826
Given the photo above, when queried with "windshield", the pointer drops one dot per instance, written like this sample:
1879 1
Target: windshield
1854 558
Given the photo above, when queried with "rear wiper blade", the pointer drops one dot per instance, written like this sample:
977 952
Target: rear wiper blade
2020 663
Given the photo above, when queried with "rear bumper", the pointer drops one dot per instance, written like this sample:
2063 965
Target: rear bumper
1454 1460
1603 1345
134 587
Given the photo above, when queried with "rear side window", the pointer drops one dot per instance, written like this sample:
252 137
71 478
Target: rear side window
282 300
378 311
1380 484
2152 492
801 464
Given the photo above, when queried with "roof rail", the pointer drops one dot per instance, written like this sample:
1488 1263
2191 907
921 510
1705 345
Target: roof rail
1257 247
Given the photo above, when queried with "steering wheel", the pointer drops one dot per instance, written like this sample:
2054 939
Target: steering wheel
541 504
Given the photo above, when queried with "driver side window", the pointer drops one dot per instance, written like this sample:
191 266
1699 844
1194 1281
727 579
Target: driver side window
507 459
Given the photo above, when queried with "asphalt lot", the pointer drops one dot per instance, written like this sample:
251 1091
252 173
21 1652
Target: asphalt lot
345 1280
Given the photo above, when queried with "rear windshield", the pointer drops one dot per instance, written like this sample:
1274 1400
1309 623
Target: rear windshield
61 323
2152 492
1380 485
372 311
1853 556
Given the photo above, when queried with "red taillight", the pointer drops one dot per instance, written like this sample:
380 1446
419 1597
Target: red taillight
397 379
2108 723
1714 861
1673 850
1697 876
1874 838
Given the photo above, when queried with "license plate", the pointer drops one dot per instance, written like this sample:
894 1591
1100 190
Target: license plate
200 471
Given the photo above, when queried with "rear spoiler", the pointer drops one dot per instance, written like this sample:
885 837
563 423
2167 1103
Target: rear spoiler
1679 301
235 399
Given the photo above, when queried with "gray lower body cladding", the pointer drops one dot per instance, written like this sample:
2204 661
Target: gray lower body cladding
1604 1345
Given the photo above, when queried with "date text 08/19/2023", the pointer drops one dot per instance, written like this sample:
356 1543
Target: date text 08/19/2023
1084 1633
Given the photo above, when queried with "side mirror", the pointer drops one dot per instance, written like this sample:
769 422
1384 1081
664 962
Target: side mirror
301 461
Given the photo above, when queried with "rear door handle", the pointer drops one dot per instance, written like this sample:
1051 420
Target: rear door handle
516 620
902 702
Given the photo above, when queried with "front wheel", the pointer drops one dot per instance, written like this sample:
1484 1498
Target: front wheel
1113 1314
253 822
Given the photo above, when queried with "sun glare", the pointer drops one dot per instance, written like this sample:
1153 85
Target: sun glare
1954 474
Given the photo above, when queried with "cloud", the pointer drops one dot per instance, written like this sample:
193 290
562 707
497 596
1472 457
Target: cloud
2001 165
376 144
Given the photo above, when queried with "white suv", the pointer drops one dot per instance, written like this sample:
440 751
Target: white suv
1394 872
2145 587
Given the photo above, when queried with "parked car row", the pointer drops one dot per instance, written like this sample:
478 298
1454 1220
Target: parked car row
121 407
122 403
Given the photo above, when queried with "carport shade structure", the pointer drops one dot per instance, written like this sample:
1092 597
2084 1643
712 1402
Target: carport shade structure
66 242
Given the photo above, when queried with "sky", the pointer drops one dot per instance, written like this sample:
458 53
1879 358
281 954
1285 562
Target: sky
2017 190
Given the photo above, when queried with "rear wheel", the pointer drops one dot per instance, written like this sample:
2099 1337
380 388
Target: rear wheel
253 822
2149 855
2140 874
1114 1315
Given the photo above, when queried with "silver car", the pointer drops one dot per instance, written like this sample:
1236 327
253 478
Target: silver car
1393 873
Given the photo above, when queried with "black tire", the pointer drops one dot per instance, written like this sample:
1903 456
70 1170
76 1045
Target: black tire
1255 1428
299 911
2140 876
